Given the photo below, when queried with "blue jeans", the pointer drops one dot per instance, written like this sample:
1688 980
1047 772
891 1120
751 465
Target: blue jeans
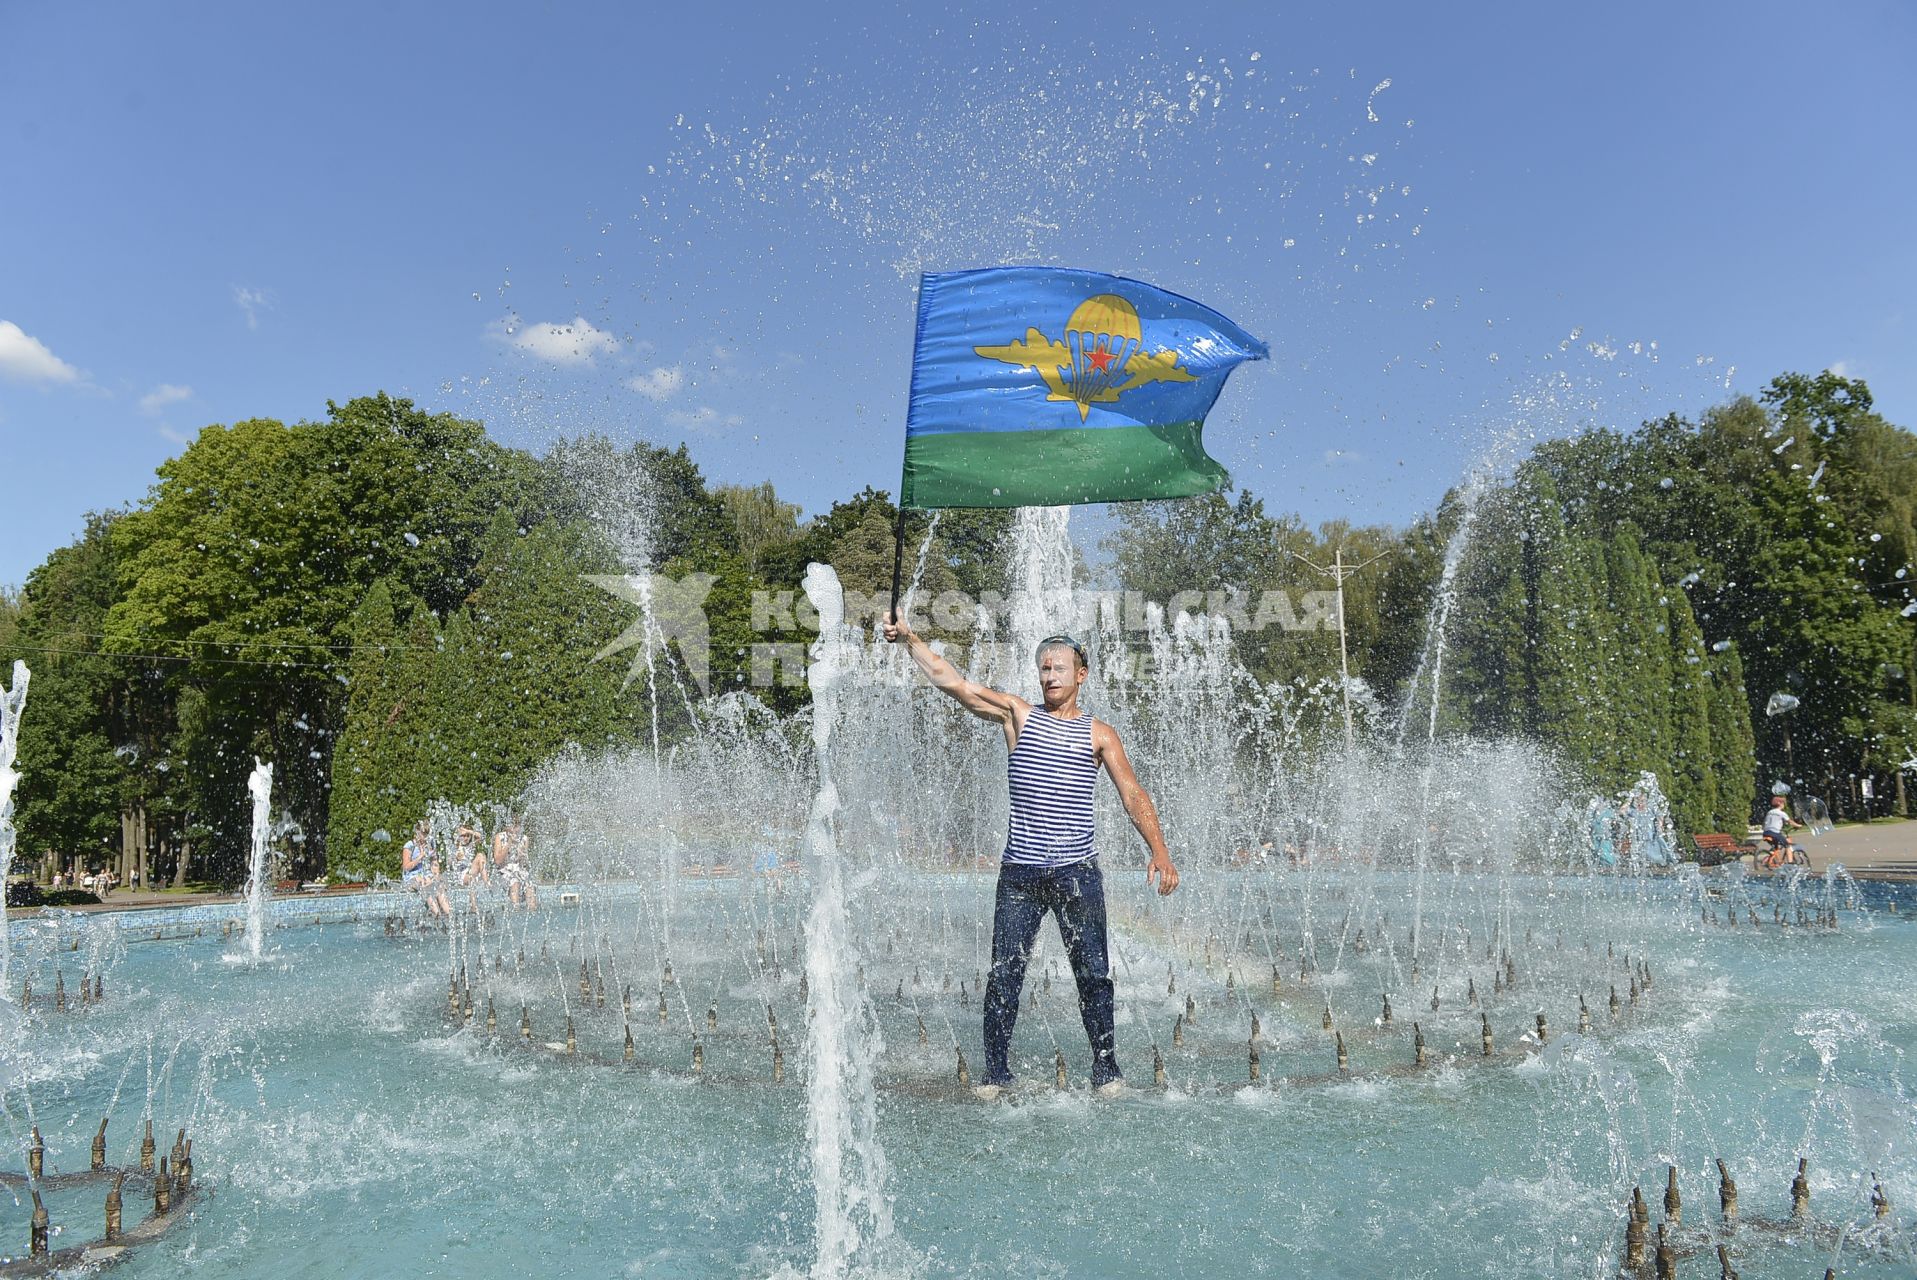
1076 895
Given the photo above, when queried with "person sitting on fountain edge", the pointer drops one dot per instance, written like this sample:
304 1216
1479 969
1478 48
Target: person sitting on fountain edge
1050 862
419 871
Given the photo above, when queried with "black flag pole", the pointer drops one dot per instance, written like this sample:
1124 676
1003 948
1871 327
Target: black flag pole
898 561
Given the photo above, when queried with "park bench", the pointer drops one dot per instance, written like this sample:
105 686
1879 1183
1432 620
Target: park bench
1715 848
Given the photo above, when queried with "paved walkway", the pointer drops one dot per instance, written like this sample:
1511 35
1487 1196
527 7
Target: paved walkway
1886 848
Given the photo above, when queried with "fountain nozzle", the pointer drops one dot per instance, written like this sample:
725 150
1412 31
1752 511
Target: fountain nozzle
37 1246
1634 1231
113 1206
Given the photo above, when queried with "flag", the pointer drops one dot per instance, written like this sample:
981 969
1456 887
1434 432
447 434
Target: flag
1041 386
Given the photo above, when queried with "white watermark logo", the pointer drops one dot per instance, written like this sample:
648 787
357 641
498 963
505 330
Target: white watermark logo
1247 612
670 609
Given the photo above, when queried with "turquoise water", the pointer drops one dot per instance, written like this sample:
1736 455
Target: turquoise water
344 1125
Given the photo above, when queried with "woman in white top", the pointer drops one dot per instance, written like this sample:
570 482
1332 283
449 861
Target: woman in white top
471 851
509 855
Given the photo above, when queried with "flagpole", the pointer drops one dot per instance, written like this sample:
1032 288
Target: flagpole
898 562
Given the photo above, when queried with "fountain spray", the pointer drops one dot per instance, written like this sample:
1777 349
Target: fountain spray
12 701
848 1165
261 787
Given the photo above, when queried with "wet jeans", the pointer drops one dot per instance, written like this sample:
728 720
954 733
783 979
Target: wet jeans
1076 895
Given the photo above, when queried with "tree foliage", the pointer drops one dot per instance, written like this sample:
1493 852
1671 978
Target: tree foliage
393 608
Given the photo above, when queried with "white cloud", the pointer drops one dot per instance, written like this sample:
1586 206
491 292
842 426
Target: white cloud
174 435
704 418
163 395
251 302
24 358
1844 368
662 383
567 344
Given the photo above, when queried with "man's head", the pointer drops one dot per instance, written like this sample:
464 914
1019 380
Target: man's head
1777 802
1061 668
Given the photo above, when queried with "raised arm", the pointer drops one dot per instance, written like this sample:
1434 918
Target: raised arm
987 704
1138 804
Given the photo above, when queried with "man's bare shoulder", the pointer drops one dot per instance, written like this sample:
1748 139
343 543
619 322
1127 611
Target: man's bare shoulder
1106 746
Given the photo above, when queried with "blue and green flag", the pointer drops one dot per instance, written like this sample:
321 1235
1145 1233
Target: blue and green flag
1040 386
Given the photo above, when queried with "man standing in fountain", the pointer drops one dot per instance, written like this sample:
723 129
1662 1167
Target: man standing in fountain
1050 861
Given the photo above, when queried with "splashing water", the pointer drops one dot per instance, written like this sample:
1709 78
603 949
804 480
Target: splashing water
1430 668
12 702
848 1165
260 785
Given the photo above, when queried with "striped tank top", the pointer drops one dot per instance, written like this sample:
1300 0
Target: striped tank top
1052 774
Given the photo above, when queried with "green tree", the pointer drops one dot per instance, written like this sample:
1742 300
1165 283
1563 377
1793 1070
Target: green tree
1734 793
68 794
250 557
1687 767
759 519
362 816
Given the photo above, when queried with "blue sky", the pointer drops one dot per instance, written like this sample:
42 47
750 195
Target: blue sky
1455 225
